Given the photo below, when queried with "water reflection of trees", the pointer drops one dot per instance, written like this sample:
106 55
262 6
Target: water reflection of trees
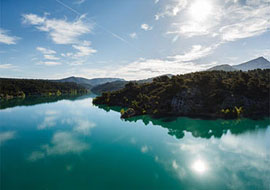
198 127
33 100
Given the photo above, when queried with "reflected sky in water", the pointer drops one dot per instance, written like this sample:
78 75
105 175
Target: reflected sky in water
71 144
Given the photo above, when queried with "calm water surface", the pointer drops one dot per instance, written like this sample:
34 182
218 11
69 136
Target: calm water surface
71 144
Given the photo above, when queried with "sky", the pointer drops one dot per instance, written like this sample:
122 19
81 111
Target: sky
129 39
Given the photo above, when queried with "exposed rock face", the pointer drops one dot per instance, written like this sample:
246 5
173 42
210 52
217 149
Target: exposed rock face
249 106
130 112
232 101
186 102
192 102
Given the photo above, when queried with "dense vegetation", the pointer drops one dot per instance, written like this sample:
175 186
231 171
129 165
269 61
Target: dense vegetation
209 93
109 86
10 88
118 85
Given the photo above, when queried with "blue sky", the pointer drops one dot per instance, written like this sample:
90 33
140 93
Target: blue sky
131 39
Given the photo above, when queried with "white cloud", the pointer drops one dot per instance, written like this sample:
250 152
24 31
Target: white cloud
189 29
248 28
265 53
146 27
172 9
7 66
156 1
79 2
229 21
84 49
133 35
49 63
146 68
60 31
6 39
195 53
45 51
51 57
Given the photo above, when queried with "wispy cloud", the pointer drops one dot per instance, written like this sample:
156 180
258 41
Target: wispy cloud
146 27
172 9
45 50
84 49
51 57
248 28
98 25
133 35
230 21
79 2
7 39
48 54
61 31
49 63
7 66
195 53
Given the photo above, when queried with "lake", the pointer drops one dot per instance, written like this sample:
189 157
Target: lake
72 144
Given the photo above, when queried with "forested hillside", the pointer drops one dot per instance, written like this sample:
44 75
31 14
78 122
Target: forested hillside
207 94
10 88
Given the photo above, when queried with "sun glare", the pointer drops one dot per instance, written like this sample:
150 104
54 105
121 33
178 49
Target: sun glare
200 10
199 166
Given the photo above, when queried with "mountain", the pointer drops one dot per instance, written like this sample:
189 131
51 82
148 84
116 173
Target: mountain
224 67
99 81
88 83
109 86
258 63
117 85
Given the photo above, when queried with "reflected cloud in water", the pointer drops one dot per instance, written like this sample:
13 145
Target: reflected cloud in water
6 136
61 143
174 164
144 149
231 158
84 126
50 119
72 123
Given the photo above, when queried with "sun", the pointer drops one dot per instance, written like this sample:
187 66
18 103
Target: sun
200 10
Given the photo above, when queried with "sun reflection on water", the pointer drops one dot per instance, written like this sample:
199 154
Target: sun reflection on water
199 166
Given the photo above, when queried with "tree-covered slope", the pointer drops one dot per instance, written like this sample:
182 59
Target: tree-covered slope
10 88
208 93
117 85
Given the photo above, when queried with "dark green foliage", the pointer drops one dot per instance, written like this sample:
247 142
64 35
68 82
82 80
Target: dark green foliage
109 86
10 88
203 94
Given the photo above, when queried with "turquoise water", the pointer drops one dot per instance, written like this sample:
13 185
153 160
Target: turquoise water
71 144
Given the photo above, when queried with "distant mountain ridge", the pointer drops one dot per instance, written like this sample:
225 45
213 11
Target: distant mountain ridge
258 63
88 83
117 85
